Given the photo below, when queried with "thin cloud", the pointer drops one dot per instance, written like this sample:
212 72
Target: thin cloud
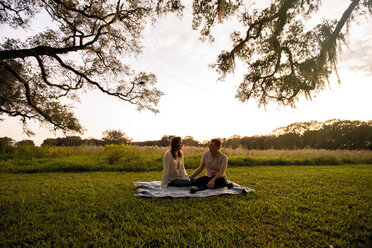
357 56
358 59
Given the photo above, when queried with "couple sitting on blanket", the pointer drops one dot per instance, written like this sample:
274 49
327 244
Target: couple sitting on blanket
215 162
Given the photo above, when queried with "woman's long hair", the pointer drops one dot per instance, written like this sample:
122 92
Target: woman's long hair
175 141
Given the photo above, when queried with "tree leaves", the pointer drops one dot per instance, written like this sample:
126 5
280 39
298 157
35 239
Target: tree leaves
85 51
88 47
283 60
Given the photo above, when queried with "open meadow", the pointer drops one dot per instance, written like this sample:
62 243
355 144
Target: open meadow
29 159
92 94
294 206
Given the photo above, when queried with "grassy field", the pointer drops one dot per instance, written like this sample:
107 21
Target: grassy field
294 206
133 158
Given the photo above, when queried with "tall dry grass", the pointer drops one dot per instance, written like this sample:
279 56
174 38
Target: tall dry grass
135 158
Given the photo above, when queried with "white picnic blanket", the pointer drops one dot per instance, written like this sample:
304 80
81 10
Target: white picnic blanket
152 189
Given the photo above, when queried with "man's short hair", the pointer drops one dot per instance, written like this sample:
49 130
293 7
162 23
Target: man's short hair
217 142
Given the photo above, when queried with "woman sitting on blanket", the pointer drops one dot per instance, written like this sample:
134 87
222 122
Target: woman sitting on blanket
174 173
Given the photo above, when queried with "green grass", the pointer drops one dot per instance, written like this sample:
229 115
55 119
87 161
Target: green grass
295 206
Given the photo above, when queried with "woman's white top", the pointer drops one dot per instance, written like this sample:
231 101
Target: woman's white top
173 169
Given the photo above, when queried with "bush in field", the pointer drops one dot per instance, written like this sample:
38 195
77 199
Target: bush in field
26 152
25 149
190 141
115 137
133 158
49 142
65 141
25 143
115 153
6 146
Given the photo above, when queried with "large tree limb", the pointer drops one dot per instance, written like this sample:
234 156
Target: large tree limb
331 41
29 98
47 50
121 96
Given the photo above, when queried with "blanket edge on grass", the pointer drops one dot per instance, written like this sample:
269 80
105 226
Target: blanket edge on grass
153 190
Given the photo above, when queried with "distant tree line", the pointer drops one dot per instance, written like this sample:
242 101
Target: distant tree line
332 134
109 137
115 137
164 141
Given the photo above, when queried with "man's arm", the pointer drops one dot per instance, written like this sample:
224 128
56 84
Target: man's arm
221 173
199 169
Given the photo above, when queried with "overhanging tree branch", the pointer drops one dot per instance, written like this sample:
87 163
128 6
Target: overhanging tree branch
92 82
47 50
30 99
282 61
39 72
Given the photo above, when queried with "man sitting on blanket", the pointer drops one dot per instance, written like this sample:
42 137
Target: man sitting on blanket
215 163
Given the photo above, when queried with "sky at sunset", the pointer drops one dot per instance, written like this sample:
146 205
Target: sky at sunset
197 104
